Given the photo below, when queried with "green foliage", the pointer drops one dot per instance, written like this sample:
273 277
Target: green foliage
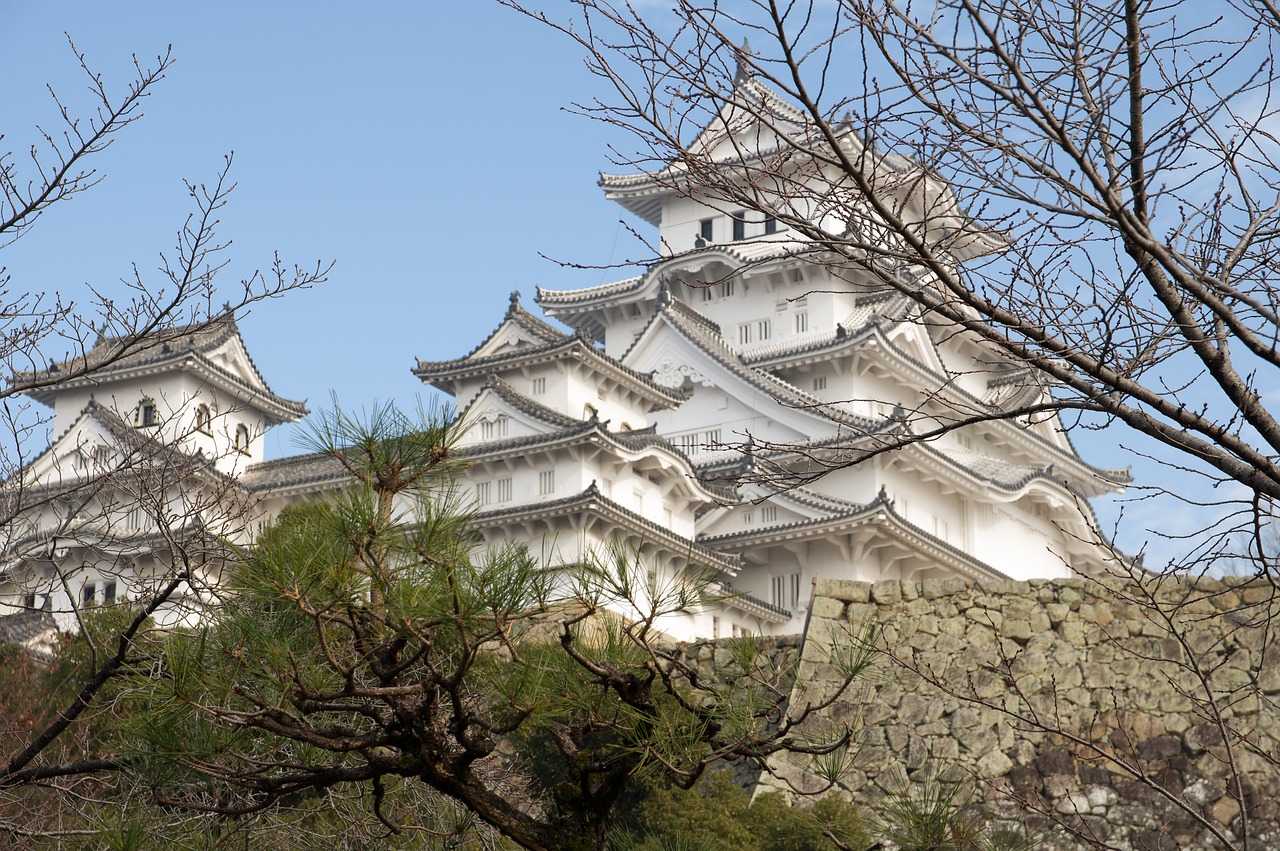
716 814
945 814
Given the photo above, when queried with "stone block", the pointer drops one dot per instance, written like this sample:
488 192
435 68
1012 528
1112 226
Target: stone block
994 764
1018 630
886 592
827 607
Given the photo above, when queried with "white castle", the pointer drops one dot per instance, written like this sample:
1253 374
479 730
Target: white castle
681 413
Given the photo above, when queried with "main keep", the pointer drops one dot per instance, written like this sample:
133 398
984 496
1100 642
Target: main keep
683 415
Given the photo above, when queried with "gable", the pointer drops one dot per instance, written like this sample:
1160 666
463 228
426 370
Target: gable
84 447
232 357
725 394
492 415
508 338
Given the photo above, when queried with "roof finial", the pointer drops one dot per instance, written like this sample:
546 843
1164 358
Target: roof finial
744 55
664 294
514 300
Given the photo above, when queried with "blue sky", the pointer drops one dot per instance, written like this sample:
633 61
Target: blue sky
422 147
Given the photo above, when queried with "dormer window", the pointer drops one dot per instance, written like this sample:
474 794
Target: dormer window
242 439
204 419
147 414
705 229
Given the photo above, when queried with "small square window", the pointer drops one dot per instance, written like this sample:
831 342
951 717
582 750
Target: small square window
538 386
739 226
88 593
109 592
802 323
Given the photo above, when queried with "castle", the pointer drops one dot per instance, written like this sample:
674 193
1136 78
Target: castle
684 413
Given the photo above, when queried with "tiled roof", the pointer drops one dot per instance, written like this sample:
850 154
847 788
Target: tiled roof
504 391
749 96
432 371
550 298
140 447
316 468
524 320
166 347
630 441
756 249
591 497
705 335
865 512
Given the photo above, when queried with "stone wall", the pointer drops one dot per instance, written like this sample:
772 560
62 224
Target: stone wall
1076 698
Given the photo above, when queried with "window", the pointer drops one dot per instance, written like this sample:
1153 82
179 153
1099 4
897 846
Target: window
802 322
109 592
765 329
496 427
101 457
637 499
484 493
88 593
747 515
779 588
504 490
739 226
28 601
726 289
706 293
546 482
770 224
147 414
204 419
797 276
712 438
538 386
242 439
768 514
706 229
715 626
820 383
795 591
744 334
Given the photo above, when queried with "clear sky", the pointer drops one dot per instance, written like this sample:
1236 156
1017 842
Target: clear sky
423 147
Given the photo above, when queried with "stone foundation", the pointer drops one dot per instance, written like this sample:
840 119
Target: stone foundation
1075 698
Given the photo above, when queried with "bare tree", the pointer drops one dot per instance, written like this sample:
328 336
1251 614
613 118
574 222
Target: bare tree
1088 190
183 509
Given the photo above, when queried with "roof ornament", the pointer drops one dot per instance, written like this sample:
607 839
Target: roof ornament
883 496
514 304
664 294
840 332
743 54
898 415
